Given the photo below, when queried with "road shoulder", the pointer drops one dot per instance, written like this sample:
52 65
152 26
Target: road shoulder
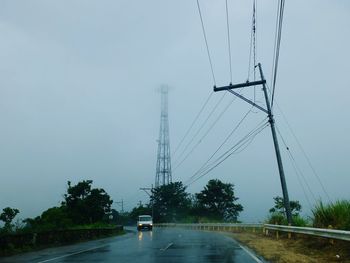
301 249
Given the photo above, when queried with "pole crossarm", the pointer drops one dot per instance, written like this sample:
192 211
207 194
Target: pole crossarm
268 111
146 189
240 85
249 101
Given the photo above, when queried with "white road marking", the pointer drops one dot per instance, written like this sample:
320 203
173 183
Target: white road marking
250 254
72 254
169 245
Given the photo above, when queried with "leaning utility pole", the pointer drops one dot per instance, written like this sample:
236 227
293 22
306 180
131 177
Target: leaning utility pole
273 130
163 169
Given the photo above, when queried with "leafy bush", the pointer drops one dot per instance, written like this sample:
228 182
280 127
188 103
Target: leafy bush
336 215
277 218
97 225
300 221
280 219
277 213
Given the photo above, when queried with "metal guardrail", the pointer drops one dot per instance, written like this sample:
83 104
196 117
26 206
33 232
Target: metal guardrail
210 225
213 226
318 232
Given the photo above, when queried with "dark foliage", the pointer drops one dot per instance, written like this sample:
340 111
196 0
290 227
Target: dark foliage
171 202
217 201
140 210
86 205
295 206
7 215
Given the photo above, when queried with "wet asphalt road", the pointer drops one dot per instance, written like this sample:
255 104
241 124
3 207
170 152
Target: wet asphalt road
157 246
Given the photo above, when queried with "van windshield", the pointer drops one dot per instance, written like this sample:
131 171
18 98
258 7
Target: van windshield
145 218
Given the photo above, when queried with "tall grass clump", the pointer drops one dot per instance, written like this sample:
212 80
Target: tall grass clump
280 219
335 215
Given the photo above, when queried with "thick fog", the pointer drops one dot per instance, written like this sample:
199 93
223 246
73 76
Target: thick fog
79 100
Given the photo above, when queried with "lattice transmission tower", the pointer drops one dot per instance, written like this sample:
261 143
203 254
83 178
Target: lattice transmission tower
163 169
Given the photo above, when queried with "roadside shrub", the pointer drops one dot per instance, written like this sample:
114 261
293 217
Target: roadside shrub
336 215
277 219
97 225
280 219
300 221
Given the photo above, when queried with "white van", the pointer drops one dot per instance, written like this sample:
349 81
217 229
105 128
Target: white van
144 221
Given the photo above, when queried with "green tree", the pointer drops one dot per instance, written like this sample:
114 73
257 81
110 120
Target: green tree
217 201
170 202
7 215
99 205
295 206
56 218
278 216
52 218
86 205
140 210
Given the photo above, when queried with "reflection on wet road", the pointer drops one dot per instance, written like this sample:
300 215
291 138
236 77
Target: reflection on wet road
159 245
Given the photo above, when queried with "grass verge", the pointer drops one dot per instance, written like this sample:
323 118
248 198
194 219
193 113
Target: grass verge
297 249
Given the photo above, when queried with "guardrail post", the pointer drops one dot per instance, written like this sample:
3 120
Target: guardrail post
289 233
277 236
331 240
34 238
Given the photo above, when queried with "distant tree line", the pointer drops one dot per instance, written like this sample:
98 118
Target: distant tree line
82 206
85 206
172 203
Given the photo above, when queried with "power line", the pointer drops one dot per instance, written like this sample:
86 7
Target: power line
297 170
201 127
193 122
207 132
300 182
247 136
253 48
206 42
228 155
230 152
253 42
222 144
304 153
302 149
278 37
229 41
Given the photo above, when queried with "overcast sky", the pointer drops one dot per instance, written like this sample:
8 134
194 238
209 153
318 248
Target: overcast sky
78 100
